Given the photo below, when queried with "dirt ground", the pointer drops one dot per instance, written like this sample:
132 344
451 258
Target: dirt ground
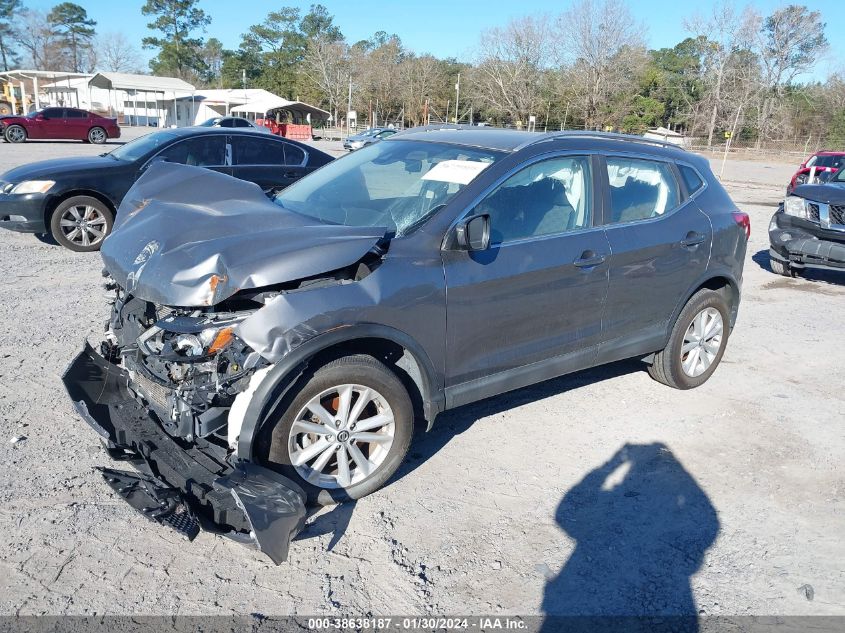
727 499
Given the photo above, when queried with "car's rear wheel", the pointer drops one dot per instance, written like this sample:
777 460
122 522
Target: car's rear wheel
343 431
81 223
15 134
697 342
781 268
97 135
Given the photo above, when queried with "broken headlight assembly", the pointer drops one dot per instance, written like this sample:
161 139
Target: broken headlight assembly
190 338
207 343
796 206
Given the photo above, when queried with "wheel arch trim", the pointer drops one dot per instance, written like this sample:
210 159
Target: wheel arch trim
286 372
714 275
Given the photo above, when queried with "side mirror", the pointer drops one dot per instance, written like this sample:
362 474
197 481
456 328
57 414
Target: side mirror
40 117
473 233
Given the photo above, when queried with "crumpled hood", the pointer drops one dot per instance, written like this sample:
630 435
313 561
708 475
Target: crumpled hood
189 237
828 193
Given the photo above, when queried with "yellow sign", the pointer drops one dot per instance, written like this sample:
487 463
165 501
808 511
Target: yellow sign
728 134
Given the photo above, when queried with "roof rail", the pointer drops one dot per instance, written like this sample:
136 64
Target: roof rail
612 136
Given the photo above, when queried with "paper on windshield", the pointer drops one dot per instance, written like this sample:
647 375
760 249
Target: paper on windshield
460 172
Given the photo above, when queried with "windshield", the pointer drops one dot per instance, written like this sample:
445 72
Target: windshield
34 113
370 132
133 150
826 160
839 176
395 184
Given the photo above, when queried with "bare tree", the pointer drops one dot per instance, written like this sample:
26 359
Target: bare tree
791 41
423 77
721 35
376 77
508 77
327 66
41 48
602 46
115 53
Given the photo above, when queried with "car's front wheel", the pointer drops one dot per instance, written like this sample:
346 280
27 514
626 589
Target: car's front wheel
97 135
696 344
343 431
15 134
81 223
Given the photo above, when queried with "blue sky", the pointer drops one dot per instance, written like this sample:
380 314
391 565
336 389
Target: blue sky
446 28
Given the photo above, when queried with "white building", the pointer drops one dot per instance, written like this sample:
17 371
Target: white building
670 136
133 99
148 100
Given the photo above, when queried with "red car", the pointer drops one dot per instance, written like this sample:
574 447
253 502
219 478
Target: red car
56 123
823 161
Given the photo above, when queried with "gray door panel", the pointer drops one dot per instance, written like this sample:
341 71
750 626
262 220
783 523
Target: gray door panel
522 303
652 265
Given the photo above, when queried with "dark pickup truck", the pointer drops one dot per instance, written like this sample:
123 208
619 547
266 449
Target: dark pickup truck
808 230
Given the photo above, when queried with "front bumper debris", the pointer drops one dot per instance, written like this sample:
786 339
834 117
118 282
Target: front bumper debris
801 245
177 485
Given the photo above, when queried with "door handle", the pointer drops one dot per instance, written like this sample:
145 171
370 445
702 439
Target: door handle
289 174
588 259
692 239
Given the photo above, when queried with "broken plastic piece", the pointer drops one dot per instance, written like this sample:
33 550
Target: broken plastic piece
274 506
155 500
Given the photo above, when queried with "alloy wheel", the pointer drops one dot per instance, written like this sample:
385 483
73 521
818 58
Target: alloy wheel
341 436
16 134
83 225
702 342
97 136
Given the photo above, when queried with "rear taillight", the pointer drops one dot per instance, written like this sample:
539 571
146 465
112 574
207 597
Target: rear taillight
744 221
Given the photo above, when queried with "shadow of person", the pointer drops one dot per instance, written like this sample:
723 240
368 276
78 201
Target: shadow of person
641 526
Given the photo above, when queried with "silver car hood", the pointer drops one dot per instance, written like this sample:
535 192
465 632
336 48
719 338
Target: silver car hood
190 237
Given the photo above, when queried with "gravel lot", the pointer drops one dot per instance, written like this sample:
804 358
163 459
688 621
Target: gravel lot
503 508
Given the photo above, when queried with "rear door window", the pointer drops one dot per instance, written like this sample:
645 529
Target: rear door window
70 113
247 150
293 155
640 189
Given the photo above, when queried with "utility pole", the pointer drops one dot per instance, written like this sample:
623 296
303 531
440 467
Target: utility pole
457 96
348 106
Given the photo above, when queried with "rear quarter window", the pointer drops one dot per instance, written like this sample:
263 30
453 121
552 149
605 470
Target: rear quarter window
691 179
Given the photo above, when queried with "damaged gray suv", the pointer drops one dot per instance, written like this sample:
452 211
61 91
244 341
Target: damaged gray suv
263 354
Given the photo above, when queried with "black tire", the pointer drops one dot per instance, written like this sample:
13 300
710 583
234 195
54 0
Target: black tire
667 367
101 220
362 370
781 268
97 135
15 134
